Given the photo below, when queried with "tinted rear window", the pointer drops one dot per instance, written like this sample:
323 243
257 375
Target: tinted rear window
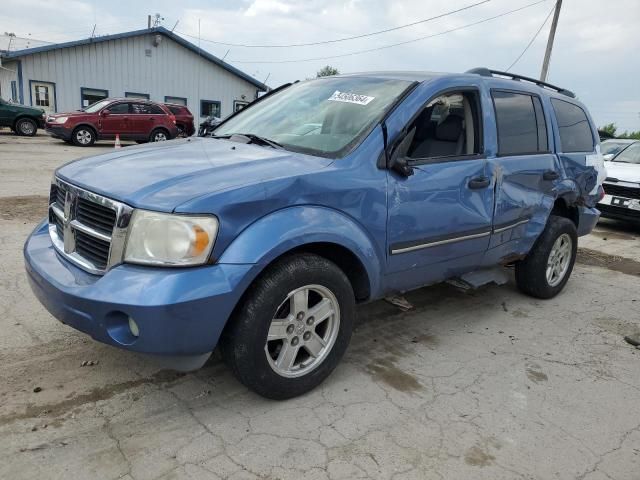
521 125
574 127
177 110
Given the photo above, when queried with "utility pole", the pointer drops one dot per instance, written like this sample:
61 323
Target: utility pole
552 36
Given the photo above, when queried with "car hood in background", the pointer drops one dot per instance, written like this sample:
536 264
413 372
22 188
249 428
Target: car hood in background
625 172
162 176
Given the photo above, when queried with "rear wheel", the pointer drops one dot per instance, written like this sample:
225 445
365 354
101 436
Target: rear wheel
83 137
293 327
547 268
159 135
26 127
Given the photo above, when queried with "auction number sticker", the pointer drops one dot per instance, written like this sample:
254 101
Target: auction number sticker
346 97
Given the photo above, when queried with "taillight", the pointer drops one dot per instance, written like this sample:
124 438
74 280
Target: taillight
173 118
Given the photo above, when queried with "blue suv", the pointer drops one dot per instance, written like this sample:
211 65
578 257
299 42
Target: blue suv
318 196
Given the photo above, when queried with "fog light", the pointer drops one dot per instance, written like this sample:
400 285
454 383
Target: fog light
133 326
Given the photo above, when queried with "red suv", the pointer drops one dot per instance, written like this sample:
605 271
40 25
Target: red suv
184 119
139 120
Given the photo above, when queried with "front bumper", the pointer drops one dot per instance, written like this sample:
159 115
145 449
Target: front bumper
179 311
622 202
58 131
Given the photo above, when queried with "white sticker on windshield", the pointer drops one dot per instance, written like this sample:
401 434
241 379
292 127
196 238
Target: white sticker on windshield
345 97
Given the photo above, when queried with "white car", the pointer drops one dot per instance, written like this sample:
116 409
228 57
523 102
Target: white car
610 148
622 185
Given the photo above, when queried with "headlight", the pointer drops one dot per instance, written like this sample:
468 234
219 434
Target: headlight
170 240
61 119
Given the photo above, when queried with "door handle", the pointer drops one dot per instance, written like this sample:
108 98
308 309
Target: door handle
479 182
550 175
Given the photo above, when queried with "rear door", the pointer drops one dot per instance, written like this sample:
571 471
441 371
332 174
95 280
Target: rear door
524 167
146 117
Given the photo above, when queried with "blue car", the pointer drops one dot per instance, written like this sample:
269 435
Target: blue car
322 194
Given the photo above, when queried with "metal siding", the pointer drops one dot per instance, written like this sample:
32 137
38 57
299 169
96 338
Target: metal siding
8 72
121 65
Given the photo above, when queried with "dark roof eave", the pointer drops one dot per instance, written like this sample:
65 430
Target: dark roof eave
161 30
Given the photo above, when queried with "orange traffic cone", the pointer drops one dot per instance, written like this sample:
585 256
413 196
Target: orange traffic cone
117 144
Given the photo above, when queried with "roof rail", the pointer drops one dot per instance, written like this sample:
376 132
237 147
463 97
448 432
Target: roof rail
485 72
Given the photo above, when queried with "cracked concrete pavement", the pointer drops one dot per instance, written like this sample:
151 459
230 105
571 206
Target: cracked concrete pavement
485 384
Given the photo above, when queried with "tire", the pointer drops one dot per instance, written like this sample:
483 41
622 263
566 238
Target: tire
159 135
261 364
26 127
548 266
83 136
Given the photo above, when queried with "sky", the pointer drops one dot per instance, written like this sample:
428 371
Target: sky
595 52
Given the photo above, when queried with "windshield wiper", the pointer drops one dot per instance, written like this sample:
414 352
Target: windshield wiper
254 139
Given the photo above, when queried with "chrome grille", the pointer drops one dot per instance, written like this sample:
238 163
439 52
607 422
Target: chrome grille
96 216
87 228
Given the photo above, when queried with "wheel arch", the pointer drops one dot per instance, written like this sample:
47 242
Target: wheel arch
327 233
564 206
85 125
23 116
164 129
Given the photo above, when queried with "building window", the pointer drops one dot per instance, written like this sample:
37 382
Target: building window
89 96
14 91
177 100
144 96
239 105
209 108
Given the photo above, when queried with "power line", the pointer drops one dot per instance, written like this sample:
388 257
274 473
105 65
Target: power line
393 44
532 40
324 42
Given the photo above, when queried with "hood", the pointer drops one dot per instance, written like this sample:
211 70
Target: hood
68 114
162 176
625 172
26 108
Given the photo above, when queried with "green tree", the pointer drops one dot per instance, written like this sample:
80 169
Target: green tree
609 128
327 71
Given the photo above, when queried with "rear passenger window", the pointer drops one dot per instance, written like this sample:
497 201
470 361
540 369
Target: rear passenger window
521 125
574 128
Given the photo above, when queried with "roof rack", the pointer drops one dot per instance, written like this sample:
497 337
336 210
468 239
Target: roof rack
485 72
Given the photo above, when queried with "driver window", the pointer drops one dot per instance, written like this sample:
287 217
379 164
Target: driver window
447 127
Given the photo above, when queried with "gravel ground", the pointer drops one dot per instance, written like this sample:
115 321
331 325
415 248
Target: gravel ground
485 384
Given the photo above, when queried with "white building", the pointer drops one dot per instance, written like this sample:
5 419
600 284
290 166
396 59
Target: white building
153 63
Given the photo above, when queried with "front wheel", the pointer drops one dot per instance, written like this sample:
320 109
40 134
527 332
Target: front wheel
83 137
547 268
26 127
292 328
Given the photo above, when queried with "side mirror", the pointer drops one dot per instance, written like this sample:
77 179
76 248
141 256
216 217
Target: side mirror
398 158
608 157
106 112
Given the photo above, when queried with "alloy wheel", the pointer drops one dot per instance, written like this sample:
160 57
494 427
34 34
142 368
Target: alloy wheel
84 137
559 260
303 331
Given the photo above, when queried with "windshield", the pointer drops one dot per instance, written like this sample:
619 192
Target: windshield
629 155
325 117
611 147
93 108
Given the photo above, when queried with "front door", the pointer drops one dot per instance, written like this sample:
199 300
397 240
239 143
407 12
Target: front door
43 95
439 218
116 120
